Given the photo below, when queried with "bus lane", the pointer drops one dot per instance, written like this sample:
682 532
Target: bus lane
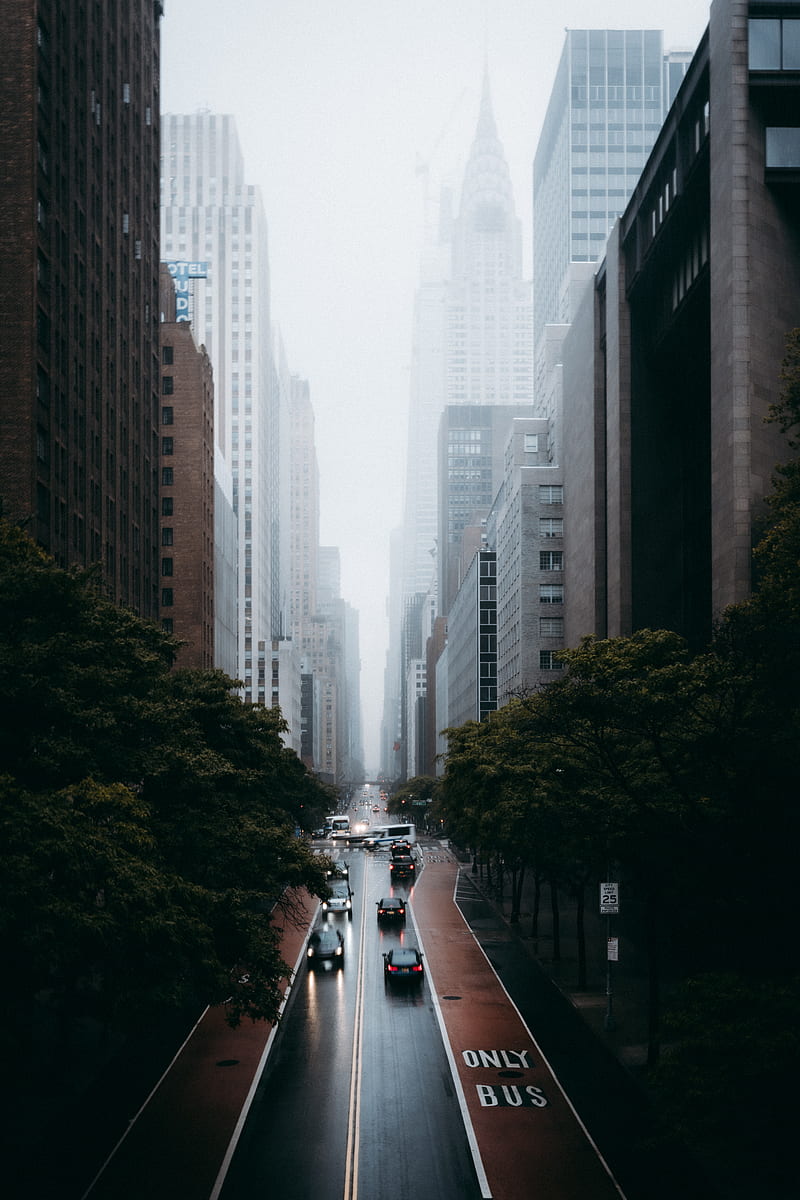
530 1140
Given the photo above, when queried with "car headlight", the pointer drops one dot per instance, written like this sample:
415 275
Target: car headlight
339 950
310 952
348 904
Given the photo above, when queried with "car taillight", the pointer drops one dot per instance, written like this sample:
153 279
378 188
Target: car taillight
417 967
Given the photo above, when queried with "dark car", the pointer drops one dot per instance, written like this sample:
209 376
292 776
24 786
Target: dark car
338 870
403 963
325 945
392 908
340 899
397 848
401 866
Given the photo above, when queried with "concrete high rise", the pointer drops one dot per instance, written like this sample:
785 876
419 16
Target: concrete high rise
79 280
675 356
212 216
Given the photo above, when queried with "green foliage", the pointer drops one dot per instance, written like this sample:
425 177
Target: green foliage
402 805
727 1078
147 815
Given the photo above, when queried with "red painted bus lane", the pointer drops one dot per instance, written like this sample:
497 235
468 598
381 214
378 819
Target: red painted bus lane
530 1140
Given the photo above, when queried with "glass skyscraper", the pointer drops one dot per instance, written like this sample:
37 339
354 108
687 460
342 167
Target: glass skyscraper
611 93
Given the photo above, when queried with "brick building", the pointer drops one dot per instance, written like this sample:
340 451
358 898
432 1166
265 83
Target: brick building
186 565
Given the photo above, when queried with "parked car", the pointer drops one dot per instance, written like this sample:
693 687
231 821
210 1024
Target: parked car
403 964
401 866
340 899
392 908
325 945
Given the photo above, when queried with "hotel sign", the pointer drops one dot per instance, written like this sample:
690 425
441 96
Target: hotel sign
182 272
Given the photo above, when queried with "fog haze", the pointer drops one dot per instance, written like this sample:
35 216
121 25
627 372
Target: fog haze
346 113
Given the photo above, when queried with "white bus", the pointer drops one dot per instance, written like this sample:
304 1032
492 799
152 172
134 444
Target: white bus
384 835
337 826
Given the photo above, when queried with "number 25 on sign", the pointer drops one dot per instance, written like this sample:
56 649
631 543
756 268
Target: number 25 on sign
609 898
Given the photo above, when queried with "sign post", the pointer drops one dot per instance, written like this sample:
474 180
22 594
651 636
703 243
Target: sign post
609 906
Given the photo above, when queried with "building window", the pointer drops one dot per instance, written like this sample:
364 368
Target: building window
166 566
166 504
782 148
774 44
167 473
551 493
551 527
551 560
551 593
548 661
167 415
167 385
551 627
531 443
166 535
167 355
166 598
167 446
167 624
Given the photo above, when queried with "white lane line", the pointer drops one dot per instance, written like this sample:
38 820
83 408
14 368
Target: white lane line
483 1182
134 1119
553 1075
354 1107
237 1132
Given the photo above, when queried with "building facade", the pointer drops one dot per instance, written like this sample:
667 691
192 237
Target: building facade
472 337
611 92
687 324
79 287
186 564
526 530
472 643
210 215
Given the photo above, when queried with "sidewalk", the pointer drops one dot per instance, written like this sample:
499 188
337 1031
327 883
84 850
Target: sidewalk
626 1035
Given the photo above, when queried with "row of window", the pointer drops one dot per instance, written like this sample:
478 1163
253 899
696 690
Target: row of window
774 44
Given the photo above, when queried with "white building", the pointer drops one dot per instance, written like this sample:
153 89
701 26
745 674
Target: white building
211 215
472 332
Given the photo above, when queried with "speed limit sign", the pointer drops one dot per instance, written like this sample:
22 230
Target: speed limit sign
609 898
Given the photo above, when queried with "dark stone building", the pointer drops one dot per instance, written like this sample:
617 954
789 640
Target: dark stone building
79 368
665 439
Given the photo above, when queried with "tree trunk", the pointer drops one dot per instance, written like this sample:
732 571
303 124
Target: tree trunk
556 921
537 896
653 979
580 896
517 878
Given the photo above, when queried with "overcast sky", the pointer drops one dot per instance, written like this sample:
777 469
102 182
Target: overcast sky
346 112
